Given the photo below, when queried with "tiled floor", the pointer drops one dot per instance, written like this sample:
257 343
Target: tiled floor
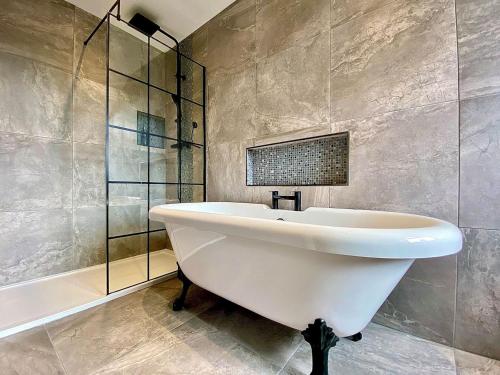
140 334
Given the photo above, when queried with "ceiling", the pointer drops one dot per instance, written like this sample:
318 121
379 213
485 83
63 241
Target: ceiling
178 17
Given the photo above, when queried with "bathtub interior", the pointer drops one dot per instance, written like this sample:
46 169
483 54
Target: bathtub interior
317 216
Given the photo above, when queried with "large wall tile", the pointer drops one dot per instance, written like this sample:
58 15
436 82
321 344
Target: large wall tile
399 56
36 98
41 30
292 92
231 37
89 111
36 173
281 24
423 303
227 183
231 106
89 182
479 162
89 61
344 10
34 244
403 161
478 302
478 27
89 236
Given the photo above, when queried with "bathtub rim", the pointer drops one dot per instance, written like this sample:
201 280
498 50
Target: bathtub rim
400 243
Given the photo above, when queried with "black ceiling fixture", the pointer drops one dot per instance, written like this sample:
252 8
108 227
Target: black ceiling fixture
144 24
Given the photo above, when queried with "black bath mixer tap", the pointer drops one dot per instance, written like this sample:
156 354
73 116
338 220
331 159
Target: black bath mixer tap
296 197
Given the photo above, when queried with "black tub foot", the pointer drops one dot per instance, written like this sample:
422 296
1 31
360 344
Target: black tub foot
186 283
321 338
357 337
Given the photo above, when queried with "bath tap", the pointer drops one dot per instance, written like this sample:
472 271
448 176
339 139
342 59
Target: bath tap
296 197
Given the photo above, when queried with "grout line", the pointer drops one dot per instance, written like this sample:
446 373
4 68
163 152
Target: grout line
54 348
459 178
290 358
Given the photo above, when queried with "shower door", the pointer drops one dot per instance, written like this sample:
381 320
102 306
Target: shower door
155 151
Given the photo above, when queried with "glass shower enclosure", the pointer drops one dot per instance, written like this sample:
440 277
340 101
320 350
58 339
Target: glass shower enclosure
154 144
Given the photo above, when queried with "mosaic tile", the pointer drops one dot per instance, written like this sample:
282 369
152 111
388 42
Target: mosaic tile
314 161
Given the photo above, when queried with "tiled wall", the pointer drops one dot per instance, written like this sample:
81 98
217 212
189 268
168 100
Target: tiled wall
312 161
52 135
423 139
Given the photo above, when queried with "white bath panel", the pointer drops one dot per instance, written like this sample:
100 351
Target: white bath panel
35 302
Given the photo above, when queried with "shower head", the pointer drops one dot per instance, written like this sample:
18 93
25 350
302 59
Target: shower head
144 24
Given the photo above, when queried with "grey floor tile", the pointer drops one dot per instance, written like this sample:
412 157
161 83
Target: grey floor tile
381 351
274 342
89 341
473 364
29 353
196 347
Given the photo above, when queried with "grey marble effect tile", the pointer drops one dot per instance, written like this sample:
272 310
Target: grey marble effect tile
36 98
478 29
231 38
426 292
89 111
231 106
193 348
89 236
36 173
91 341
273 342
281 24
27 353
35 244
472 364
395 158
311 131
479 156
477 327
227 184
343 11
399 56
35 29
89 182
381 351
89 61
285 103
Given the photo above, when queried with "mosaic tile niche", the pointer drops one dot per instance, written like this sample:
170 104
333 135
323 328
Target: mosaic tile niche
312 161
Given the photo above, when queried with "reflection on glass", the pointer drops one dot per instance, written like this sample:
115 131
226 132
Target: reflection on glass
192 122
128 261
192 193
128 161
163 162
126 98
162 105
127 53
161 257
192 168
162 194
128 209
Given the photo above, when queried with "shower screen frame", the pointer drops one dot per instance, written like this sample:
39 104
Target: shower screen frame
181 143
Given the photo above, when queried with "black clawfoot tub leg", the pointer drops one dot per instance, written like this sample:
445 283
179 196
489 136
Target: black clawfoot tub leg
186 283
358 336
321 338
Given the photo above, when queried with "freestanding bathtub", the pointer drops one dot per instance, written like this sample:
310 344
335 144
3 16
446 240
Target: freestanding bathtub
294 267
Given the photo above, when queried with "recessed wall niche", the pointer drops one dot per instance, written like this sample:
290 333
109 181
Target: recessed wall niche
320 160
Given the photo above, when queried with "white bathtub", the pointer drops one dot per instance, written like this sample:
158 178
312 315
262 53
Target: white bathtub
335 264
